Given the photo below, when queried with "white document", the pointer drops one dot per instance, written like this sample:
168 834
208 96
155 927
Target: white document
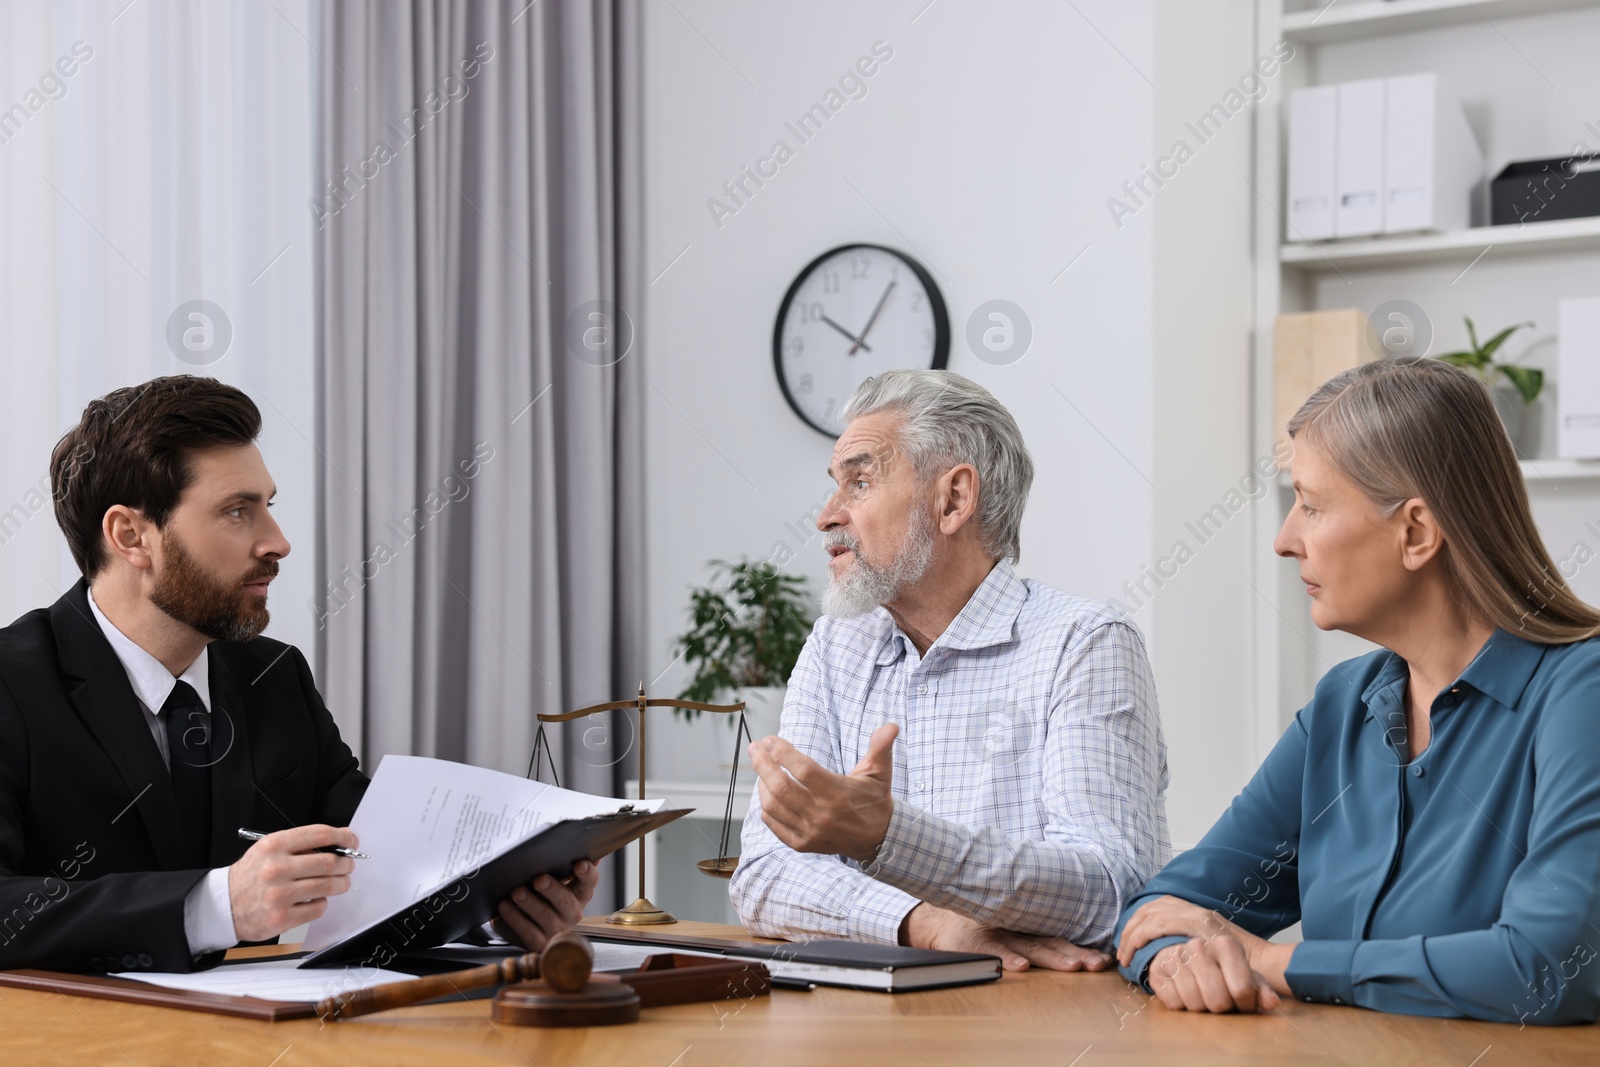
271 980
1360 170
426 822
1313 151
611 956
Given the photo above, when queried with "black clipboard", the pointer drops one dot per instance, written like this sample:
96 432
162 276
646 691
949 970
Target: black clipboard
470 901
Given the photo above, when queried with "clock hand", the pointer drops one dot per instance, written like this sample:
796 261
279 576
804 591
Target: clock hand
854 342
861 342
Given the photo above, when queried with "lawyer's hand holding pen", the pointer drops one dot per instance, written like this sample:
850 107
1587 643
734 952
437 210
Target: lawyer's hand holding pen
286 878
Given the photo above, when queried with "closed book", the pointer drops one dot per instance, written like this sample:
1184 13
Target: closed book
890 968
853 964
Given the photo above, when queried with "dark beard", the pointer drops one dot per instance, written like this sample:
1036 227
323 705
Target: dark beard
217 609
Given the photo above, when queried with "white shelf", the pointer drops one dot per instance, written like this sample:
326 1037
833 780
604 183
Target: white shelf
1564 235
1342 21
1535 472
709 799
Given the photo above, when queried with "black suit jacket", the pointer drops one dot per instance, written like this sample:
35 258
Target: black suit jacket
91 869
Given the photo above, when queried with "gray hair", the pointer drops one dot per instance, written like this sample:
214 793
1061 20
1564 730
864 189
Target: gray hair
948 420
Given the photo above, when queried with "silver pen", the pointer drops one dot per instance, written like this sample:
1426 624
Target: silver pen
338 850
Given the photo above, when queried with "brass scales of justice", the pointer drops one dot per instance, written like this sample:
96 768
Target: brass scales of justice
642 912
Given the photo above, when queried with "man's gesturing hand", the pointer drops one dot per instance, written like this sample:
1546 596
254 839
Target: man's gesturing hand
812 809
927 926
282 881
533 914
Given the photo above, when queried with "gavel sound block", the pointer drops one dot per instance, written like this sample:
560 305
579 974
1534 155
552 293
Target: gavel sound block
554 988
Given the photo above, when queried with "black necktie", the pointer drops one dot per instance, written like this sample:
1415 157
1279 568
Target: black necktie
189 757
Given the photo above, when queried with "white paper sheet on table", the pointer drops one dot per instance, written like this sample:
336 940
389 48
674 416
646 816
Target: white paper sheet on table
271 980
426 822
284 980
610 956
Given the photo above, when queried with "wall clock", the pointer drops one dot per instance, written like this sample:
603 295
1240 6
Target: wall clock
853 312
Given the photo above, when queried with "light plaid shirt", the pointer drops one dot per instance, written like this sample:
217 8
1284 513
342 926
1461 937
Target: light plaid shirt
1029 775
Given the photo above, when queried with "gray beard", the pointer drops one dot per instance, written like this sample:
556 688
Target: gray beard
863 587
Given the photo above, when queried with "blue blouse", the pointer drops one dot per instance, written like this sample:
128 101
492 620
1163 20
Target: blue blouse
1463 883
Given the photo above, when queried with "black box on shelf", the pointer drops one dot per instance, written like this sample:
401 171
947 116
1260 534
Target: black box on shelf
1538 190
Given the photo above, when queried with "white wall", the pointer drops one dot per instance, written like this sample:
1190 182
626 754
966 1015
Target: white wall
1201 395
987 147
175 166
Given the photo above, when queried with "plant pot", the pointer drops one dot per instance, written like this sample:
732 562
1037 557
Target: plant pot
1522 420
763 712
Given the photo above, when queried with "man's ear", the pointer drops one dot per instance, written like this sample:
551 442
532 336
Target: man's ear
958 497
1421 538
128 534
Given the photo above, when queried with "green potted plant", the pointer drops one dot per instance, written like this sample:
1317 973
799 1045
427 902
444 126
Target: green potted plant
1514 387
747 630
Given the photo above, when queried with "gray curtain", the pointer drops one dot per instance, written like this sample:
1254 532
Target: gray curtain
481 493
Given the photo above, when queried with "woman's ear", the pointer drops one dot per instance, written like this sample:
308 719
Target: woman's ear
1421 538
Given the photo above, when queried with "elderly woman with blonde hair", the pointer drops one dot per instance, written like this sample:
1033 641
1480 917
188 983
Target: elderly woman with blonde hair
1432 817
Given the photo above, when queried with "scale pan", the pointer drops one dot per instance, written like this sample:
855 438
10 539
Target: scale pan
722 868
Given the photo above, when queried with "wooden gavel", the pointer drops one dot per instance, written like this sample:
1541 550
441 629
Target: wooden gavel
564 965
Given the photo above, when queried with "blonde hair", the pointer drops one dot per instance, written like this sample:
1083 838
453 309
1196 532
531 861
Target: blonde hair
1411 428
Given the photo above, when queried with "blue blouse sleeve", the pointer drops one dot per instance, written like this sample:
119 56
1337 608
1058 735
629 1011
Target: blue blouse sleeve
1246 865
1537 963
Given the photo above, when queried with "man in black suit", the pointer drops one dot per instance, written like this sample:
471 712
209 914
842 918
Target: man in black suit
143 721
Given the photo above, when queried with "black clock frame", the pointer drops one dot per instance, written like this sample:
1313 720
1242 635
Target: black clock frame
941 320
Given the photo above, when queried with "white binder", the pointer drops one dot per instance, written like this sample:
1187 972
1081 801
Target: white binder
1431 158
1313 147
1578 367
1359 181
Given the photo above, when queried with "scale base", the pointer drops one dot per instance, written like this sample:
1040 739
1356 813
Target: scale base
640 913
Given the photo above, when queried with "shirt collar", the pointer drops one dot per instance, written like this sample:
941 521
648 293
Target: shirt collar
1501 670
152 682
989 616
1504 667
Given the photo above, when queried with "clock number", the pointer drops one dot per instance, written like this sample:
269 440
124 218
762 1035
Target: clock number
794 346
927 338
810 313
832 410
830 282
803 387
916 301
860 266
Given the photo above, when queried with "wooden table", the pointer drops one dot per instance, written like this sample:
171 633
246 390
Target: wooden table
1036 1017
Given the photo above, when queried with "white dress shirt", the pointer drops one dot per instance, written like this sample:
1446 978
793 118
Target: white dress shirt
208 909
1029 775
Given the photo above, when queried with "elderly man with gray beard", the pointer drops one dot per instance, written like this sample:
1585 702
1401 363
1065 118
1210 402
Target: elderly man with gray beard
1024 802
